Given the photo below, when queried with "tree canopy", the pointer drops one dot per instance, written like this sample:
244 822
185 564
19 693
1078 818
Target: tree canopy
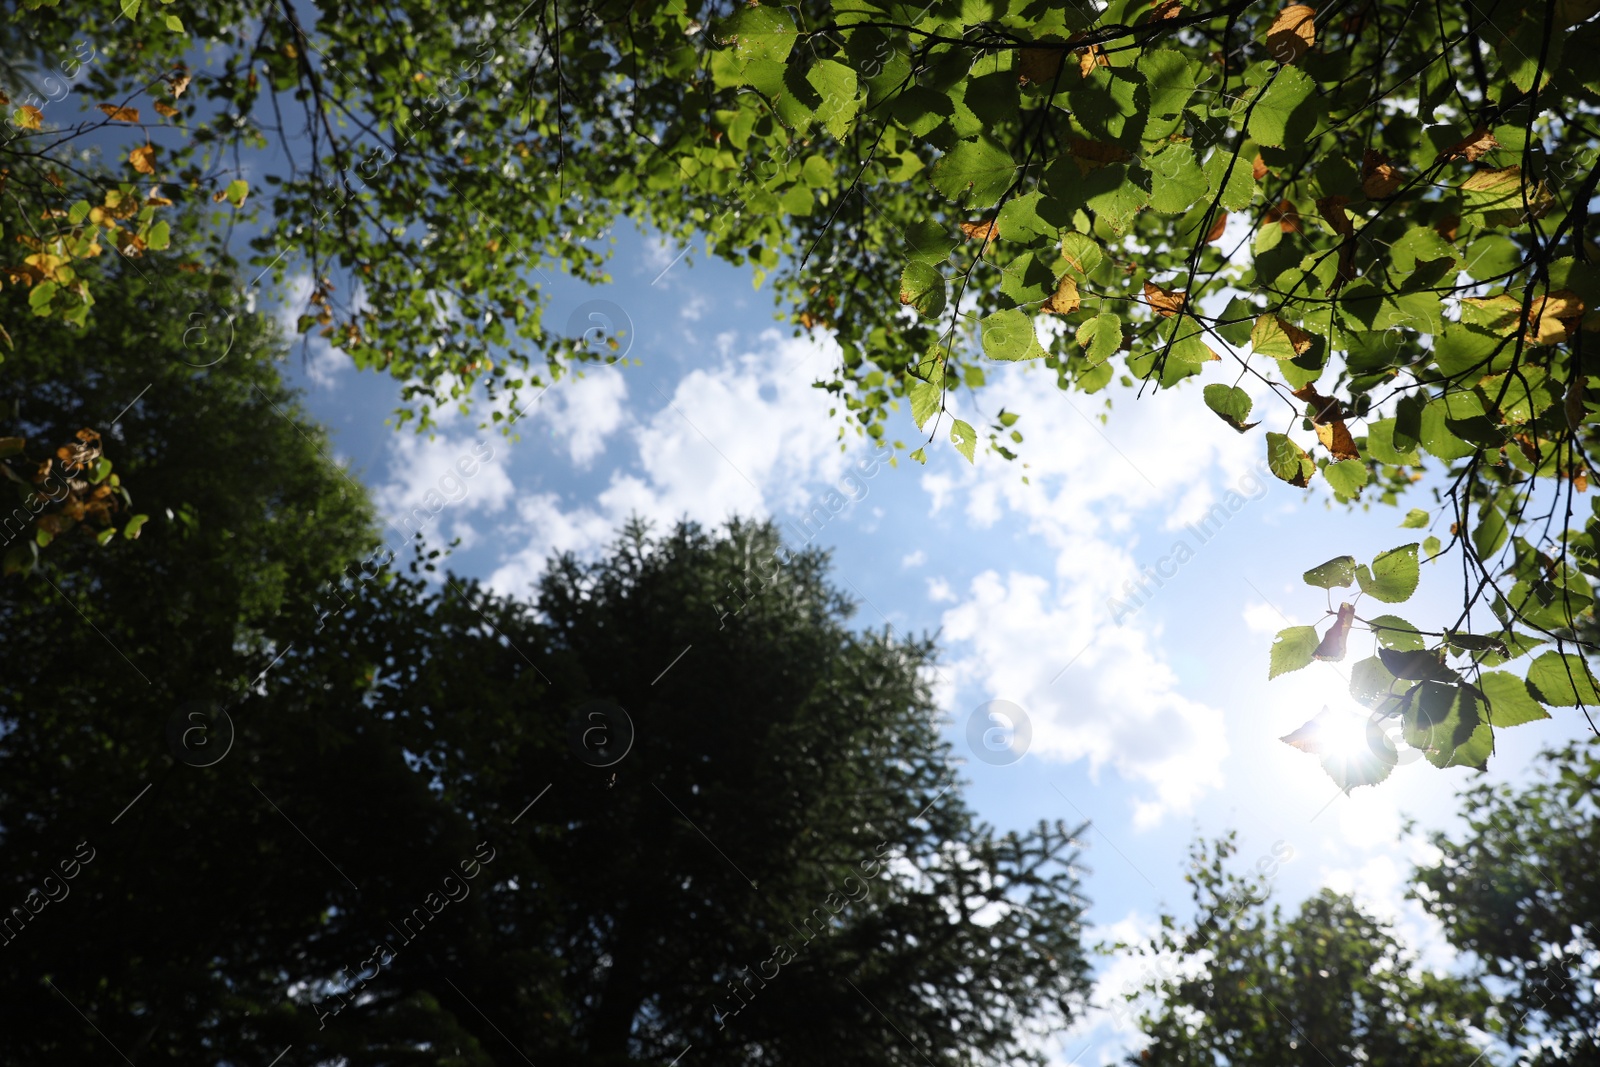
234 818
1375 212
1246 985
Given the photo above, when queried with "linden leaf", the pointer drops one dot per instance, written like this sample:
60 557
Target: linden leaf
120 114
1293 649
963 437
1472 148
1167 301
979 167
1278 339
1100 337
1393 577
28 117
1231 403
1065 300
1293 33
165 109
1289 461
1337 573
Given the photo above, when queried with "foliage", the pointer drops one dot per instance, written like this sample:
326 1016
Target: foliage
1379 210
1520 892
1249 987
365 759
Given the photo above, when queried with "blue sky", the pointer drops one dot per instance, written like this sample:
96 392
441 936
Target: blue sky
1157 724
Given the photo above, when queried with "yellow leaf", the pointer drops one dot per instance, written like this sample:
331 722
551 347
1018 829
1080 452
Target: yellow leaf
1065 300
28 117
1472 148
165 109
1293 33
120 114
985 231
143 159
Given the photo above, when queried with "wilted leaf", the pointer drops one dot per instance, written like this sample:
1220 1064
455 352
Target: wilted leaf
1292 34
1039 66
985 231
1273 337
1289 461
165 109
1217 226
1379 178
1285 215
1065 300
1331 208
120 114
177 84
1167 301
1473 147
143 159
28 117
1332 648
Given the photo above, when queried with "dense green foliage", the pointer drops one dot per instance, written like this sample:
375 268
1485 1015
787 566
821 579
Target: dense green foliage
1249 987
1520 892
1378 210
233 819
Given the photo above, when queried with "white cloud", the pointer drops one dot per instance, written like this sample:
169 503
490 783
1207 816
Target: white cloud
746 436
939 591
427 479
583 413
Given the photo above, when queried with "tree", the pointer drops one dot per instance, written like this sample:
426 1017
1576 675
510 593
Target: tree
1330 984
240 813
1520 893
1411 286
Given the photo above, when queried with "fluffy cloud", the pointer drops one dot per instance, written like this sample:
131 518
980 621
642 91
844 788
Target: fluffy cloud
747 435
583 413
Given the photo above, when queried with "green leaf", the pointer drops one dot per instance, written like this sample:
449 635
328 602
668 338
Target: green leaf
135 523
1381 446
1080 255
1010 335
925 397
1510 703
979 167
1337 573
1391 631
963 437
1176 181
1100 337
1169 76
1289 461
130 9
1271 336
758 33
836 84
1393 577
78 212
1293 649
1416 519
1563 680
1347 477
1231 403
159 237
12 446
1276 107
923 288
175 24
40 296
236 191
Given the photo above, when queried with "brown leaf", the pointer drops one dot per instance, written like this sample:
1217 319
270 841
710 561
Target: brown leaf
143 159
1378 178
120 114
1166 301
1331 208
1217 227
1293 33
1447 227
1327 419
1332 648
1575 408
1065 300
1285 215
29 117
1258 168
178 83
1473 147
988 231
1091 154
165 109
1039 66
1164 9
